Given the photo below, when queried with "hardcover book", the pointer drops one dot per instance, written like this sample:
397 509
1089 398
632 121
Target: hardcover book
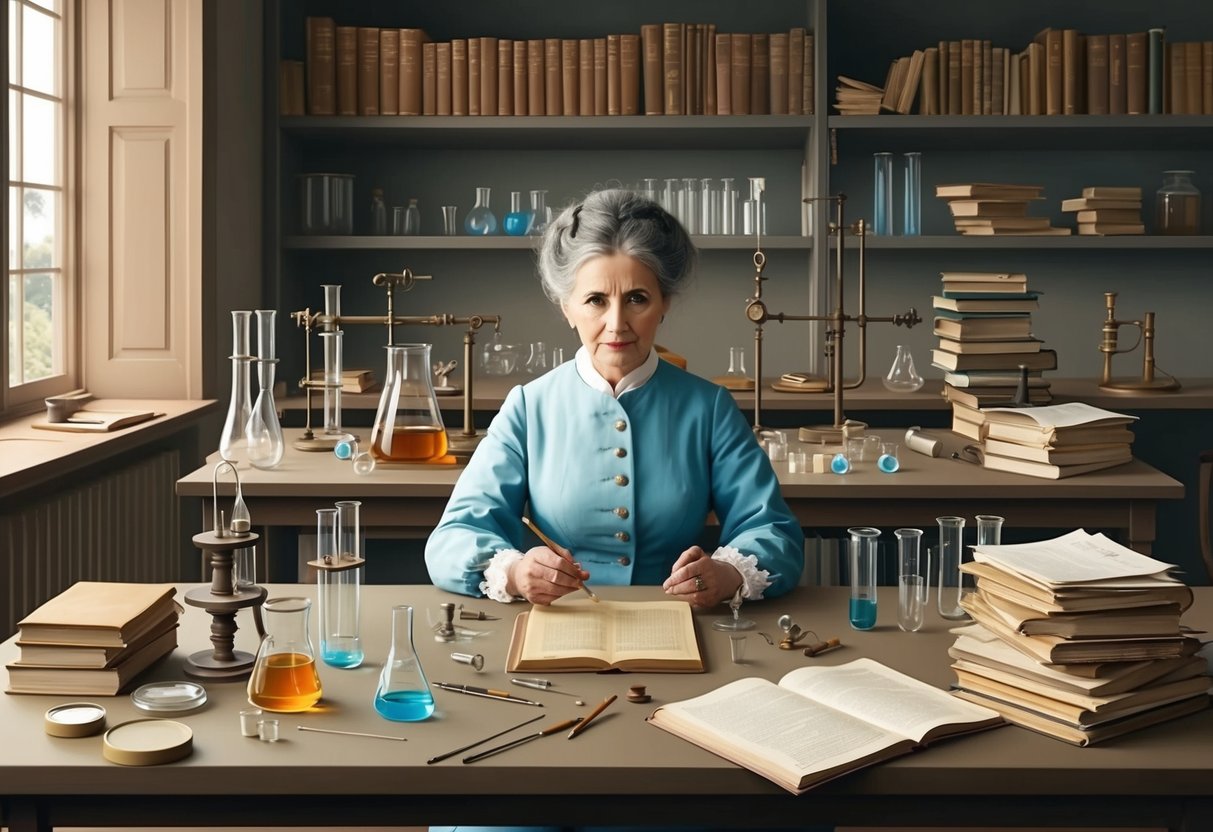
95 613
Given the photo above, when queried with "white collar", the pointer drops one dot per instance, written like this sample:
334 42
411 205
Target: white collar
634 379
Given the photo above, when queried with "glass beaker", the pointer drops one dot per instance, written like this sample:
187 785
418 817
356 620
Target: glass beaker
517 222
911 580
412 219
263 434
728 207
339 585
951 556
232 443
408 424
284 677
882 197
989 530
911 222
1177 204
398 220
902 376
862 551
481 221
450 220
541 214
404 693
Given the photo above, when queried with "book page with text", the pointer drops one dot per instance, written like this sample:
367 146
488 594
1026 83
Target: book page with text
611 630
1066 415
1073 558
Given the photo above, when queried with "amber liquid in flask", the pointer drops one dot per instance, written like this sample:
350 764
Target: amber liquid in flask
411 444
408 424
284 677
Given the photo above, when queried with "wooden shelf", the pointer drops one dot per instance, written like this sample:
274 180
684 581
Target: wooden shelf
499 242
1074 242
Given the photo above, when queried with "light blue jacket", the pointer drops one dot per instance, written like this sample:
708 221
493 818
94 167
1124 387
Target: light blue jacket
626 483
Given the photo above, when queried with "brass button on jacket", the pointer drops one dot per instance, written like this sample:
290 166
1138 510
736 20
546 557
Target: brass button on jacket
621 479
622 513
621 425
624 561
623 536
621 452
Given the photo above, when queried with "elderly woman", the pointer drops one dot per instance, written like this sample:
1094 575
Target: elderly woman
617 456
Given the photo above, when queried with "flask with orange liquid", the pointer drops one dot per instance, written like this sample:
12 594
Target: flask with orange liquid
408 425
284 675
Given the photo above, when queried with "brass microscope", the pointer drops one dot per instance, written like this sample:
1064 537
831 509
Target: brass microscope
1149 382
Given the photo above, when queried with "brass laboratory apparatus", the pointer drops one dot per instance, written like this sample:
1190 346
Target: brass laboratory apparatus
1149 382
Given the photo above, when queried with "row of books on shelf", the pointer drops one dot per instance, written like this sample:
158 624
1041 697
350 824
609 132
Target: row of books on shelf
665 69
1078 638
1061 72
94 638
995 209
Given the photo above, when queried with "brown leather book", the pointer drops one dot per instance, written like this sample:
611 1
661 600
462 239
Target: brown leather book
1117 84
321 34
443 62
347 70
650 39
998 86
553 100
1136 74
796 71
966 77
740 75
1176 79
1097 75
585 77
629 75
291 95
955 80
942 78
692 104
724 75
1071 61
671 62
978 78
459 77
1038 79
808 105
1054 69
368 70
1206 77
928 95
473 48
1193 76
429 79
521 81
614 81
488 76
708 70
777 82
987 78
389 72
600 76
570 76
505 77
760 69
535 102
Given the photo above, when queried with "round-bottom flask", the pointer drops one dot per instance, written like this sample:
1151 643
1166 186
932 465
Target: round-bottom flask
284 677
404 693
481 220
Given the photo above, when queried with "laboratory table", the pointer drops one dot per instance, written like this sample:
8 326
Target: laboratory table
620 771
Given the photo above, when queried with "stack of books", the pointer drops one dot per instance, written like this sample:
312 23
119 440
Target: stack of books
857 98
1056 441
985 209
353 380
1107 211
94 638
984 324
1078 638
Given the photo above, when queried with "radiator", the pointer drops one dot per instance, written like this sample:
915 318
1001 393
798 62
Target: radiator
123 525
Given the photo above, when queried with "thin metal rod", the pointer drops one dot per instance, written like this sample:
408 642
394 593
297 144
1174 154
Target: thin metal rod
351 733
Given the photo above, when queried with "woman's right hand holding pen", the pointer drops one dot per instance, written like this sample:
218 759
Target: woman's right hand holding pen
545 574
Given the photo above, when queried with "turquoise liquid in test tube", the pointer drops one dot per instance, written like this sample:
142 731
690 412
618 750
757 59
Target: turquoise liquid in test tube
882 207
862 551
339 574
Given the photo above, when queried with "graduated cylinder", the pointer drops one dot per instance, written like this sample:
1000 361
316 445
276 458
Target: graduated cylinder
338 568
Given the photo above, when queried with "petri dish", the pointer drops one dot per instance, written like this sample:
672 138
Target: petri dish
169 697
75 719
147 742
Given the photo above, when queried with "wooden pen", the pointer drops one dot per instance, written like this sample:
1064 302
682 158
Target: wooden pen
551 544
580 726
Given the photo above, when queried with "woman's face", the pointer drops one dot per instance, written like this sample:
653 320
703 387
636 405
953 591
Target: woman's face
616 306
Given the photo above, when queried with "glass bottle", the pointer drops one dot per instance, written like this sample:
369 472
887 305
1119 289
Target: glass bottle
404 693
481 221
862 551
264 434
408 424
232 444
690 206
378 212
753 210
882 198
517 222
284 677
728 207
911 580
669 196
339 584
412 219
989 530
1177 204
951 556
902 376
650 189
541 214
709 207
912 198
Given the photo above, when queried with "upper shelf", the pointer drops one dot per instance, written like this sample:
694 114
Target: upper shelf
498 242
1082 132
558 132
1074 242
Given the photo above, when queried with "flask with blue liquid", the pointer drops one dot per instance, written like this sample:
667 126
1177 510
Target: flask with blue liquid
862 551
403 694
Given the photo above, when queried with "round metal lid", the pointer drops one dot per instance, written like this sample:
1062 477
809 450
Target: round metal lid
169 697
147 742
75 719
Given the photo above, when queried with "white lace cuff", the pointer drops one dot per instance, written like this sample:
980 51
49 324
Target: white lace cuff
754 581
497 575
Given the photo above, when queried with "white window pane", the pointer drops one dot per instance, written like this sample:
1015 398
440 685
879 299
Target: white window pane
14 330
14 228
53 5
14 127
39 52
14 17
41 353
41 220
40 140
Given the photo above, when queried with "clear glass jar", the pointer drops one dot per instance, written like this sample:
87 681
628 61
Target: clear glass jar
412 219
481 220
1177 205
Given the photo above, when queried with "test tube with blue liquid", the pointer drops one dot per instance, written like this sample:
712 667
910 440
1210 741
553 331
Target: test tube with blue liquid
882 193
862 551
339 589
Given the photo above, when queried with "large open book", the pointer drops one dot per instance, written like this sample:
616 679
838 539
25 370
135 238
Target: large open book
626 635
820 722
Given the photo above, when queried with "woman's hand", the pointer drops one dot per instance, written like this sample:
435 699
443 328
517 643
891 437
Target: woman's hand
544 574
701 581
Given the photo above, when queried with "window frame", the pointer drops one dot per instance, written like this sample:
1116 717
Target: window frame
27 397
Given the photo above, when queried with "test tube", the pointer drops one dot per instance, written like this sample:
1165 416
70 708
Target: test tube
911 580
339 585
332 382
951 555
265 334
989 529
862 552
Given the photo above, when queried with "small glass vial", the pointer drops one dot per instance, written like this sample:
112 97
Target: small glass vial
412 219
691 206
1177 204
911 580
728 207
378 213
709 207
481 221
902 376
518 221
669 196
951 556
862 550
882 197
404 693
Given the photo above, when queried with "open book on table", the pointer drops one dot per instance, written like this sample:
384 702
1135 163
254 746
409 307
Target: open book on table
820 722
625 635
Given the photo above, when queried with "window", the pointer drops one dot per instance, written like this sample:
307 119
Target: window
39 206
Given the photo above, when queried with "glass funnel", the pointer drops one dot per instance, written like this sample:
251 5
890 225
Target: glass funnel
264 433
902 376
284 675
403 694
408 425
232 444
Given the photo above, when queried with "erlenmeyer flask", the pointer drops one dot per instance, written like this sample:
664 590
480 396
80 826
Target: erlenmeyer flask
404 693
232 444
408 425
284 675
264 433
481 220
902 377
